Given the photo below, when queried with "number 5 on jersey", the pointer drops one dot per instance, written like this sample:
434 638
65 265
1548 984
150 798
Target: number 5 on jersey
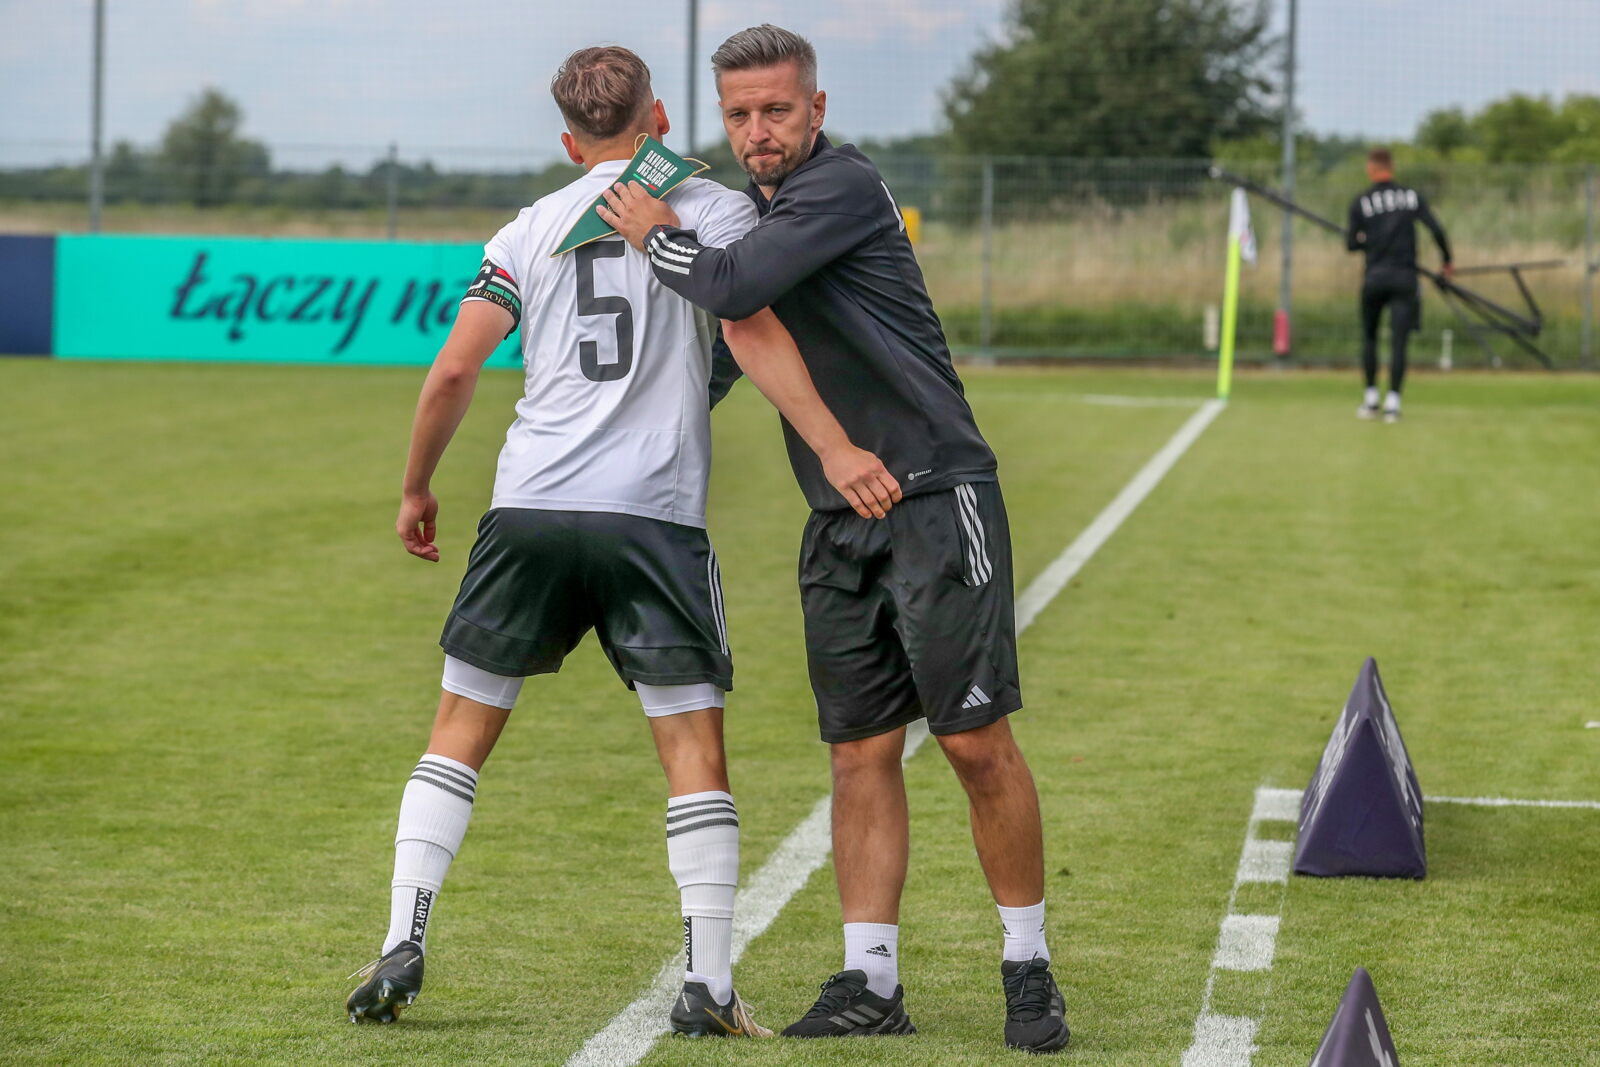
584 257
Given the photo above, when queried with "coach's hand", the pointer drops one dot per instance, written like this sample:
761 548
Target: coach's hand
633 212
862 480
416 525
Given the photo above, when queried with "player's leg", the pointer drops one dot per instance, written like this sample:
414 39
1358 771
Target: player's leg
952 562
1404 313
435 809
515 614
658 596
865 697
1371 310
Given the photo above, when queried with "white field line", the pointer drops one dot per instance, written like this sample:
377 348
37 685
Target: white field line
1245 942
1592 725
1108 400
1511 802
628 1036
1248 942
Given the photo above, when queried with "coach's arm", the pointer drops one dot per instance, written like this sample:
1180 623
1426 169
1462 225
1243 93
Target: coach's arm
446 395
817 216
767 354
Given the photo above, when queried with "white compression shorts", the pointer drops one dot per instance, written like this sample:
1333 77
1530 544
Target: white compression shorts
500 691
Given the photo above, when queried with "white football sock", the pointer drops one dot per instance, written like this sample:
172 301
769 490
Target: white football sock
1024 931
433 819
1370 397
703 854
874 948
1392 401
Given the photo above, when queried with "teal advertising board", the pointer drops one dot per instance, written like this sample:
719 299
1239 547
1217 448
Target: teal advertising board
255 300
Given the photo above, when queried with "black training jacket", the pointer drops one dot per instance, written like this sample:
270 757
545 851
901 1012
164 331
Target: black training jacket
1383 225
831 258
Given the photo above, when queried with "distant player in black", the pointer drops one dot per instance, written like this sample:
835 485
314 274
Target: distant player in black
1383 225
909 615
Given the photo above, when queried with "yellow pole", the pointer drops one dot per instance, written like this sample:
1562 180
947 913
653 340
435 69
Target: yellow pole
1230 318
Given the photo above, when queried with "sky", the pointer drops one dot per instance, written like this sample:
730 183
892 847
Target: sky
467 85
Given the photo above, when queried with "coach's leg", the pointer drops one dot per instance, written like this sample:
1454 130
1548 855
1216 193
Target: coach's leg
871 826
1005 811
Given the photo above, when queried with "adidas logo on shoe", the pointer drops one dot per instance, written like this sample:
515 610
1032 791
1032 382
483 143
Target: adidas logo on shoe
879 950
975 699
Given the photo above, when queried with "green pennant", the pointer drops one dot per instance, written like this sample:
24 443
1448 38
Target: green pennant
654 166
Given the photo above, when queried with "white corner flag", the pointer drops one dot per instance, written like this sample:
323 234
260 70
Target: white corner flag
1239 226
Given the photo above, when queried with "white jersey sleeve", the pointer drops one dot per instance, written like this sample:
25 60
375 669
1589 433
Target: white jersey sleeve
496 281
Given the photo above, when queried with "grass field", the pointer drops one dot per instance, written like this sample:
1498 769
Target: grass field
217 668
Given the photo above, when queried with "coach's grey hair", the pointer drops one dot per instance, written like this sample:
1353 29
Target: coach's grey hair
764 46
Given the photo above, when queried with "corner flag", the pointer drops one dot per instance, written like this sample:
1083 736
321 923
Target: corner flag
1241 246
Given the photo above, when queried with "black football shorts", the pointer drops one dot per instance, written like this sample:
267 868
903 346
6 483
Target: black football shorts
912 615
537 581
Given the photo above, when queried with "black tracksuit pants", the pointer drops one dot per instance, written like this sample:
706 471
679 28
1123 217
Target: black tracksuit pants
1396 290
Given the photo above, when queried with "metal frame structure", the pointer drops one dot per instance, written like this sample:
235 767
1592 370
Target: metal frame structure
1487 318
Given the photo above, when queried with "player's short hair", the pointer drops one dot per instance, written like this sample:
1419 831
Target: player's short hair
765 46
602 92
1380 156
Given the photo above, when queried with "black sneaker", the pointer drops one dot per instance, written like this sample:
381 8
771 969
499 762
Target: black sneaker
847 1008
697 1014
393 981
1036 1012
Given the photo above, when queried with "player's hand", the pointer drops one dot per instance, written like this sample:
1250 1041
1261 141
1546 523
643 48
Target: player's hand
633 212
416 525
1449 272
862 480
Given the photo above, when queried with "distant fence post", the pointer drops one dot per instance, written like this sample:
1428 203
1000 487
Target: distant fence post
394 189
986 307
1591 265
97 162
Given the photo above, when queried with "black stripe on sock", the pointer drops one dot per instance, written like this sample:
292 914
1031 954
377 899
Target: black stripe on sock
725 809
675 831
674 809
448 772
418 776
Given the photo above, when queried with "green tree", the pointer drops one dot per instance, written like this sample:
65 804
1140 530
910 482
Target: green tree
1134 78
203 153
1445 131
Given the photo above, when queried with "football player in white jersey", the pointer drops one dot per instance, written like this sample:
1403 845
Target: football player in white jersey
597 522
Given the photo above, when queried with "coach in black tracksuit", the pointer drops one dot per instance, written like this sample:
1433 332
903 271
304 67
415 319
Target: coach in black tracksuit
909 616
1383 225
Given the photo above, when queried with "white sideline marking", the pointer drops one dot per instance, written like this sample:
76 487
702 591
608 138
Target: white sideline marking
1109 400
1055 577
1115 400
1266 861
1511 802
1280 804
1591 726
1246 943
628 1036
1221 1041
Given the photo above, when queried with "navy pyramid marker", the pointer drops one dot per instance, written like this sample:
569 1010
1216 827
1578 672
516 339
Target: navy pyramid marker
1362 812
1358 1036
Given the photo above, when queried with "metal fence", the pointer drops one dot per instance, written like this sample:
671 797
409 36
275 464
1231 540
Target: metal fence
1040 258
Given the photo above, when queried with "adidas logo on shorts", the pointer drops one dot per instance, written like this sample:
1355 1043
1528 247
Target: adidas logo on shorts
975 699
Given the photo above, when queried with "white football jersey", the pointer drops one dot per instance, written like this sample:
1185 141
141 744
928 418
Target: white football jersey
615 413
